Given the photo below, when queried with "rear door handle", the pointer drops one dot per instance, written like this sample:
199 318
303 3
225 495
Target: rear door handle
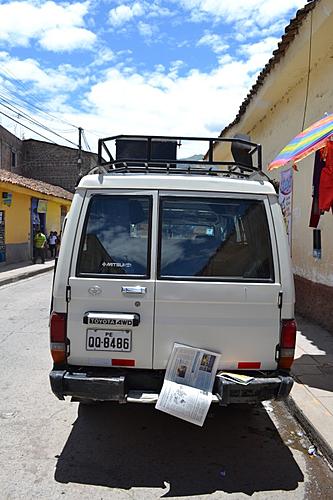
138 290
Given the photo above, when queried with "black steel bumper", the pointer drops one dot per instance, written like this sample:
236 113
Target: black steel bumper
259 389
80 385
102 387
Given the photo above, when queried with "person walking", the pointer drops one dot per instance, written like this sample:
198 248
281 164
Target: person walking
53 238
39 246
58 243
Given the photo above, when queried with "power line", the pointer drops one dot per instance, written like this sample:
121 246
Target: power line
14 99
308 71
8 98
25 126
26 101
33 121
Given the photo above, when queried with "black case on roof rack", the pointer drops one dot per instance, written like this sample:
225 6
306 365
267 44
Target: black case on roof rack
158 154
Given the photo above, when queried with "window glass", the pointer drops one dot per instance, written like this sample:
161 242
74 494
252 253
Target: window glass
215 238
115 238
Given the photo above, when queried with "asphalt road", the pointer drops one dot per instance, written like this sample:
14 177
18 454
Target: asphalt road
52 449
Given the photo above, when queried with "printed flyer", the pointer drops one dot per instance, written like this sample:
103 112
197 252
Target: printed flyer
188 383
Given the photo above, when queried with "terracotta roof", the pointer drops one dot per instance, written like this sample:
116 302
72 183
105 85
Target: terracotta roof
39 186
290 33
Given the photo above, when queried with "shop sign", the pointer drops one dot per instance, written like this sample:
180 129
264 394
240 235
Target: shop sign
7 198
42 206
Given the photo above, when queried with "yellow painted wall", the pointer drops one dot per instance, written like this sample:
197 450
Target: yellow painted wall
275 115
53 217
18 216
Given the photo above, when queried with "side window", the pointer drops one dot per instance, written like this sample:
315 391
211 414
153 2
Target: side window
115 239
215 238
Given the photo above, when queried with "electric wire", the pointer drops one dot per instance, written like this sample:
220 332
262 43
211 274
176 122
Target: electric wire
34 122
15 101
26 89
25 126
18 101
308 73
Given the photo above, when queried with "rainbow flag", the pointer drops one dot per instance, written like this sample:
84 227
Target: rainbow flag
305 143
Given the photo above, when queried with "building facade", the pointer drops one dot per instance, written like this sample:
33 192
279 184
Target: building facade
44 161
10 151
293 91
25 205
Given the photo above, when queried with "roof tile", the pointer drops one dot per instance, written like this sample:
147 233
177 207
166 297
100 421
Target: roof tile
35 185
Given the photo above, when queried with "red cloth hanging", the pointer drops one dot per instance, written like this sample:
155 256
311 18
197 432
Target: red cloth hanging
326 181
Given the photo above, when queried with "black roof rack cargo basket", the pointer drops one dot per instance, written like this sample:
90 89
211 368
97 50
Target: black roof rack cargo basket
158 154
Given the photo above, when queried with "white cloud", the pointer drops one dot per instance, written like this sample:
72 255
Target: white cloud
262 11
146 30
162 103
67 39
125 99
63 78
104 55
22 22
258 54
214 41
124 13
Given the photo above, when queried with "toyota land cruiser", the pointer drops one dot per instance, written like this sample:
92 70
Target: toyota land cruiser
158 250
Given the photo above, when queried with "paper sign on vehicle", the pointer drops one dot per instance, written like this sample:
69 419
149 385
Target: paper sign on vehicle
188 383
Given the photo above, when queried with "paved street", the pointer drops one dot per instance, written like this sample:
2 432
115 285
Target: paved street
53 449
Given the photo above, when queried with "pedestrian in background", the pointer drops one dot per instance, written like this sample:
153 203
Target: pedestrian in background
58 243
39 246
52 243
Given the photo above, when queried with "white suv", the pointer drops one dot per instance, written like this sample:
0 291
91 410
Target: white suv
157 251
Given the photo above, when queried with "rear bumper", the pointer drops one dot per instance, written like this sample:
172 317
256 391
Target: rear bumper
259 389
116 386
80 385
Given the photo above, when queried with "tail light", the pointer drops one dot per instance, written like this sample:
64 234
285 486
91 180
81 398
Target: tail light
287 343
58 337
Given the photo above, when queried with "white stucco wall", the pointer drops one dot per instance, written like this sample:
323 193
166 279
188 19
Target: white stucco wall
275 115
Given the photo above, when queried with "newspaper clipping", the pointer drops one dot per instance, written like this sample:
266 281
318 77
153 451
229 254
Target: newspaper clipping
188 383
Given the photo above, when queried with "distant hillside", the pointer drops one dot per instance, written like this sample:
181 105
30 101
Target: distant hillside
190 158
194 157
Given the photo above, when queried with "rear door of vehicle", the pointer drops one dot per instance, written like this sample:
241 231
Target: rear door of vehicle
218 279
111 303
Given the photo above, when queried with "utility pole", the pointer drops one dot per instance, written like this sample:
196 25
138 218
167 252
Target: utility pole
79 160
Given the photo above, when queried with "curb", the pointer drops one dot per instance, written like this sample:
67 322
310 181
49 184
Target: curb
311 430
24 275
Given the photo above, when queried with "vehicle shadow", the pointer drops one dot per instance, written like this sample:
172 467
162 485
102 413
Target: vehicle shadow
130 446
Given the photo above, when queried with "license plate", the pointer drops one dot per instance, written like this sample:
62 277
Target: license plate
109 340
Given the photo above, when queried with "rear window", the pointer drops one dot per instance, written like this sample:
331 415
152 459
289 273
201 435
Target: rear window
217 239
115 238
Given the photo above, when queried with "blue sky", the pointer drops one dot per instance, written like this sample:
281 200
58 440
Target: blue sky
133 66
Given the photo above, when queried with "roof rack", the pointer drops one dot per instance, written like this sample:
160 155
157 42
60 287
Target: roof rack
158 154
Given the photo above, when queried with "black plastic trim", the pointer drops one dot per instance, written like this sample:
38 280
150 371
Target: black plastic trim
113 384
259 389
99 388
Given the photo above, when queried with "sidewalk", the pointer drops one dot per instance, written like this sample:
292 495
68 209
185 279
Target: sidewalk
16 272
311 399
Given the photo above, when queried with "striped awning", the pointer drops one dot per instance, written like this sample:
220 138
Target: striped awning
305 143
